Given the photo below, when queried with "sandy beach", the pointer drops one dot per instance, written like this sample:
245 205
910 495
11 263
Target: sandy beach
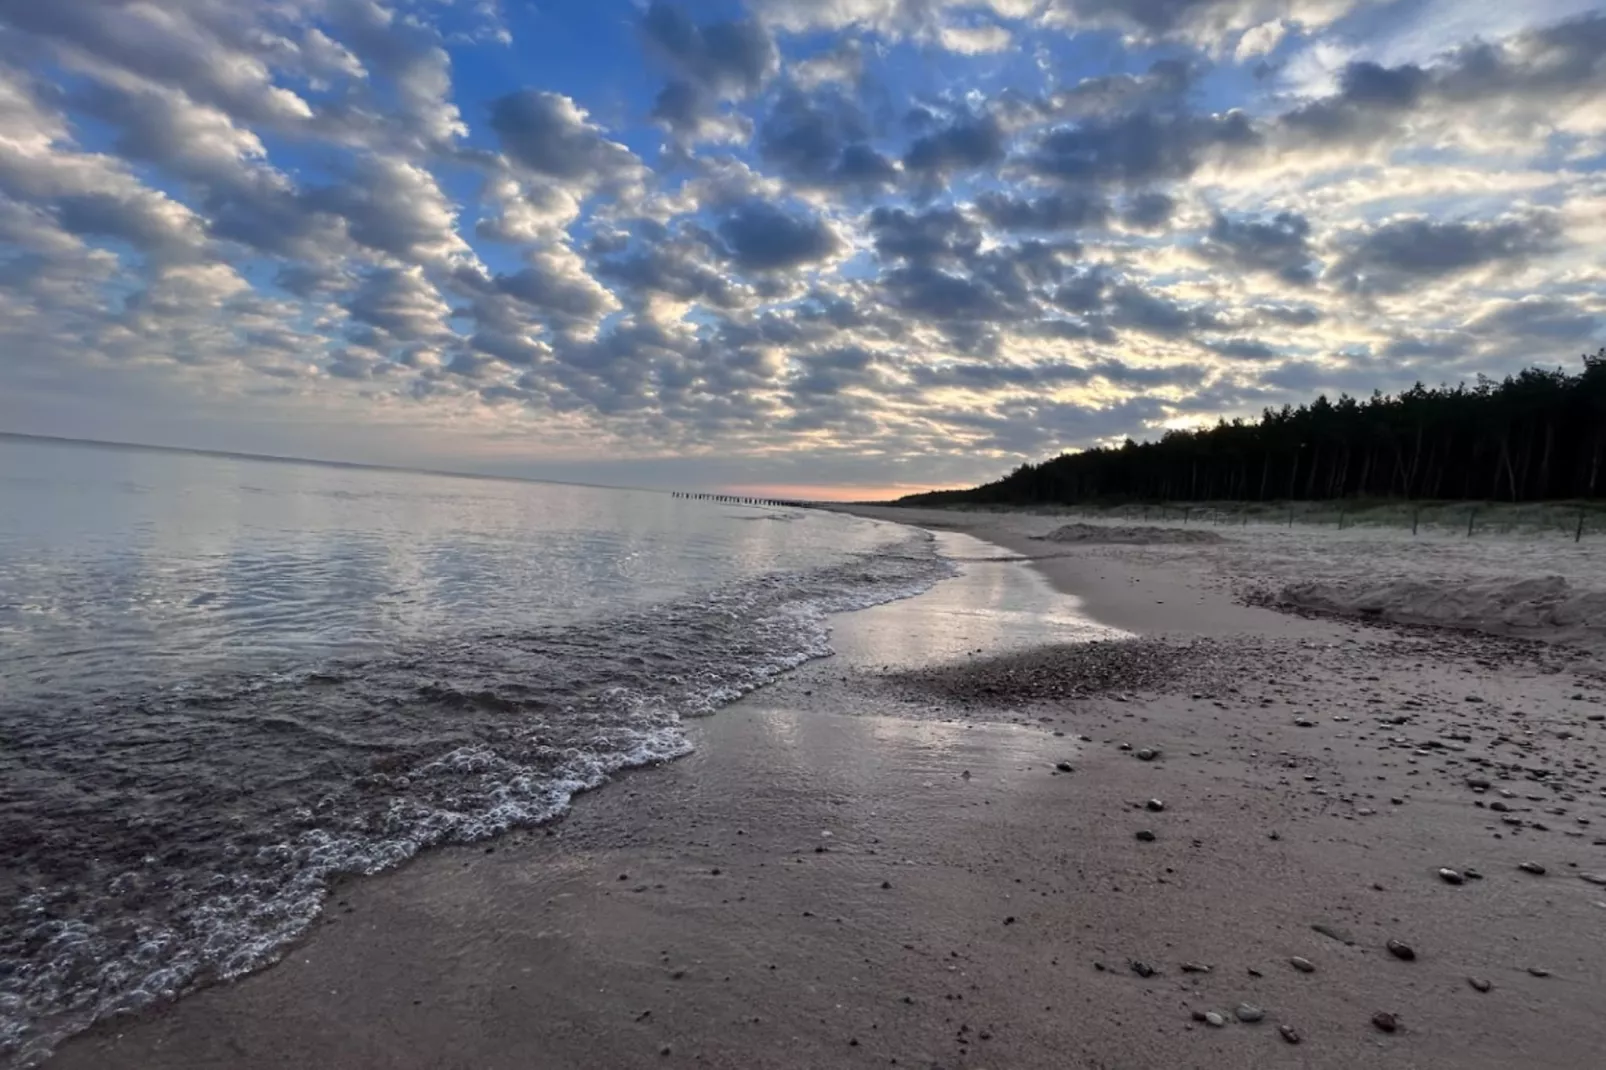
1082 806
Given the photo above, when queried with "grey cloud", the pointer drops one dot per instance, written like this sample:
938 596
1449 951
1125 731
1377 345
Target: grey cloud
394 207
673 268
400 302
1137 149
967 143
1149 211
197 48
1134 307
1242 348
1533 75
760 236
566 298
729 60
1399 254
823 141
935 234
1279 246
547 134
1061 210
146 221
1557 319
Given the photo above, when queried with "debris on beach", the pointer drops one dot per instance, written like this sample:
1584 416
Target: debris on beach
1128 535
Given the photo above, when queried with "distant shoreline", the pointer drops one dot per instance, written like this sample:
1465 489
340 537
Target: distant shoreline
233 455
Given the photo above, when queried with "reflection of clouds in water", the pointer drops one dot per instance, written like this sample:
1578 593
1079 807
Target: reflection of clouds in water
998 603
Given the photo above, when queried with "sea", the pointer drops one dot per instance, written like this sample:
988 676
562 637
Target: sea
225 682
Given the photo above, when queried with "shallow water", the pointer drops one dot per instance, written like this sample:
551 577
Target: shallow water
224 682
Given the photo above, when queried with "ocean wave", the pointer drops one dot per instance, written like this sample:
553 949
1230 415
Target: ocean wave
160 841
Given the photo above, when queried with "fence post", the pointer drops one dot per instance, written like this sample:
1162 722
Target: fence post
1578 536
1472 518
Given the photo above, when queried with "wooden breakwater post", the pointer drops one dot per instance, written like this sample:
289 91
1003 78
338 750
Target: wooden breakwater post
1578 535
1472 520
1416 514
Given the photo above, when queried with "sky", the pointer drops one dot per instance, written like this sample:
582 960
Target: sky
836 247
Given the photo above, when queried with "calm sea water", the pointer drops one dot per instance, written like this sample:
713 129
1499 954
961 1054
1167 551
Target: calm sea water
223 682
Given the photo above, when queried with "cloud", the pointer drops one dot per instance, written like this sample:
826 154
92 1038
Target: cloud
1403 253
761 237
1278 246
1060 210
966 143
710 63
1138 148
975 40
547 134
823 141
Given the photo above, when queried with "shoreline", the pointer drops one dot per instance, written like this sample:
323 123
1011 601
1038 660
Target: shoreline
975 905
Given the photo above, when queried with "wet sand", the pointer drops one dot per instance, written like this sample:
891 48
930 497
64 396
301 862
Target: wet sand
881 860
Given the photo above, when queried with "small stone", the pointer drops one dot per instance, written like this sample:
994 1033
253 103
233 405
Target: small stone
1064 767
1142 969
1248 1012
1148 754
1145 836
1154 806
1215 1019
1290 1034
1304 722
885 885
1401 950
1303 965
1195 967
1477 783
1532 867
1450 876
1595 878
1499 807
666 1050
1479 984
1385 1021
1538 971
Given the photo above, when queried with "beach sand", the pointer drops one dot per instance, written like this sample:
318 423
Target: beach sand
925 853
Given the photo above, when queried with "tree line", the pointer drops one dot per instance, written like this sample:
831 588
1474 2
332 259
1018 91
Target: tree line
1537 435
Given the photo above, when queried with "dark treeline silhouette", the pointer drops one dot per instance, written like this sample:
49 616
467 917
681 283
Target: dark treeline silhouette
1540 434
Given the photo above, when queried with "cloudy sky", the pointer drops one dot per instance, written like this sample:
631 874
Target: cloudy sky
859 244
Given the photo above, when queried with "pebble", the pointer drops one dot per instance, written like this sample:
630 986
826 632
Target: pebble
1532 867
1304 722
1145 836
1148 754
1303 965
1401 950
1142 969
1538 971
1215 1019
1479 983
1248 1012
1064 767
1595 878
1290 1034
1385 1021
1154 806
1450 876
1195 967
